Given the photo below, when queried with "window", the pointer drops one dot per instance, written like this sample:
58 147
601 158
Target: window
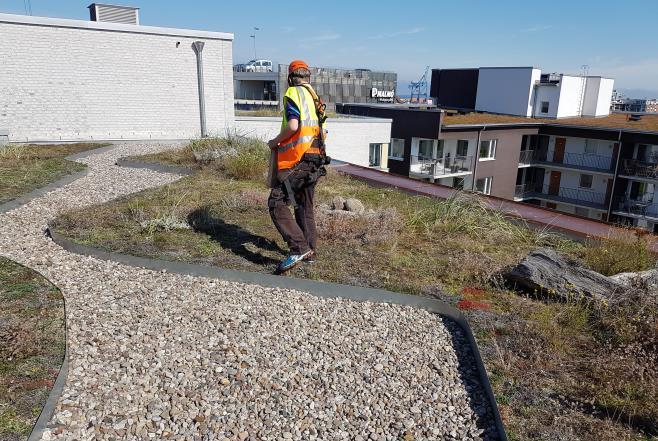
462 147
483 185
544 106
375 155
439 149
580 211
397 148
590 147
488 149
425 148
458 183
586 181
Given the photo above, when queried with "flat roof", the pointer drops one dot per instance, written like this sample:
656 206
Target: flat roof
615 121
108 26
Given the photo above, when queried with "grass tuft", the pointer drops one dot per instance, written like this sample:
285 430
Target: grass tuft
625 252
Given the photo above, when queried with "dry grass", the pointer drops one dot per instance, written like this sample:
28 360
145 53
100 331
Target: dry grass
547 360
24 168
31 346
624 252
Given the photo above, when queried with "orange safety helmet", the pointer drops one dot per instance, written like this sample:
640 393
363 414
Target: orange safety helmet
297 64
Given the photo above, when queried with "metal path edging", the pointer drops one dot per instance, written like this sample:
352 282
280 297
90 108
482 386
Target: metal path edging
63 181
312 287
58 386
162 168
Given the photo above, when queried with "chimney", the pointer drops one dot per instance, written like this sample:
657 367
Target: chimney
113 13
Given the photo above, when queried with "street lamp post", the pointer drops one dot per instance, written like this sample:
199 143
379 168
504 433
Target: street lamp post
254 37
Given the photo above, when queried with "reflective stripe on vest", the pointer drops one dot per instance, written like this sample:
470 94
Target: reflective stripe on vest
292 150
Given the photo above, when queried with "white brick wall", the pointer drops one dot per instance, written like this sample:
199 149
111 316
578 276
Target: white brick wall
71 80
348 140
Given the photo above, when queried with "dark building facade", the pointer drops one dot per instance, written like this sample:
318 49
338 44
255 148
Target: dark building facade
455 88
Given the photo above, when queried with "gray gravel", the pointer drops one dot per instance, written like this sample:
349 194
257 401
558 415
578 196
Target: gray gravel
155 355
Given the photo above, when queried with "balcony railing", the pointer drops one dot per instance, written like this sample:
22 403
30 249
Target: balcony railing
441 167
525 157
641 205
641 169
564 194
578 160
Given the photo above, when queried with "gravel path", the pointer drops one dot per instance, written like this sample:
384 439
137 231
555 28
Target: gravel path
155 355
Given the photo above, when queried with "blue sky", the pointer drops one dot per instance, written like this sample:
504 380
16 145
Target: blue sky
616 39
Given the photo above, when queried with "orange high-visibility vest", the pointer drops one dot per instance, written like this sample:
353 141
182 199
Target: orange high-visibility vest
305 139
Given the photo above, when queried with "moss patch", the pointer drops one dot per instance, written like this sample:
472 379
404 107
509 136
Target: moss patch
32 345
26 168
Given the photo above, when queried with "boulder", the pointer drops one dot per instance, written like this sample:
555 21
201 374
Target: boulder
648 279
355 206
545 272
338 203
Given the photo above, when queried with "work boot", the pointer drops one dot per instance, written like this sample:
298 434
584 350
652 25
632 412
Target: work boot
311 257
291 261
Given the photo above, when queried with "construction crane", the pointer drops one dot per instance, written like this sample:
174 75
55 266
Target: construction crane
418 88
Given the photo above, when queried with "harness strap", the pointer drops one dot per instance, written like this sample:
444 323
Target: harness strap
291 194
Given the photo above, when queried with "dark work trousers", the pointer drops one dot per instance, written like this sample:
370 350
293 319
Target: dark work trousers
299 233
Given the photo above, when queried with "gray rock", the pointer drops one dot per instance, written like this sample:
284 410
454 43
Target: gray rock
338 203
644 279
355 206
547 273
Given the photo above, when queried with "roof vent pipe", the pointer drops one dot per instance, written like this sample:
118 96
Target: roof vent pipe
198 49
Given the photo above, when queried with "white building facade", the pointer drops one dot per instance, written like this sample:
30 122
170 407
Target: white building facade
525 91
359 141
65 80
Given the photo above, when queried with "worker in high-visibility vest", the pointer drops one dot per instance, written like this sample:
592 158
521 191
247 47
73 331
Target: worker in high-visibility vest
300 160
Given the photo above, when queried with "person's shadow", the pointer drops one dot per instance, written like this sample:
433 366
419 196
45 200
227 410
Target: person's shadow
233 237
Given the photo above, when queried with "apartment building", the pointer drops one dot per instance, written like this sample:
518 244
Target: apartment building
602 168
522 91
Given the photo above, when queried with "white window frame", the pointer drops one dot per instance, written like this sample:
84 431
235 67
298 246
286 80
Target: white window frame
589 144
433 153
390 153
457 147
541 106
379 155
488 180
580 181
491 150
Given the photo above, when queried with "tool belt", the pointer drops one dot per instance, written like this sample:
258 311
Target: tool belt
317 161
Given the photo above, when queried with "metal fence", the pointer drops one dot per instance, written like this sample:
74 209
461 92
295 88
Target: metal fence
585 160
438 167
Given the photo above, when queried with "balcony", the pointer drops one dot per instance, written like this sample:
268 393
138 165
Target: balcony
641 206
525 157
436 168
639 169
574 196
576 161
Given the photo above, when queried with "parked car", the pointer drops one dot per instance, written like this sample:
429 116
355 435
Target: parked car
258 66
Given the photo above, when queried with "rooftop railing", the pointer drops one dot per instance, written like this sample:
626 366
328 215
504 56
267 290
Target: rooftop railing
584 160
641 169
441 167
641 205
564 194
525 157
